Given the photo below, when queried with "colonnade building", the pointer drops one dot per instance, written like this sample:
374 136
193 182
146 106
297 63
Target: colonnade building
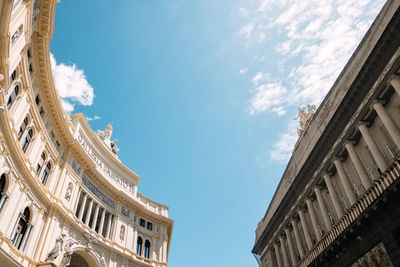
338 201
66 199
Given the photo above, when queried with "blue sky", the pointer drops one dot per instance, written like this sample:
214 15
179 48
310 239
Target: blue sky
203 95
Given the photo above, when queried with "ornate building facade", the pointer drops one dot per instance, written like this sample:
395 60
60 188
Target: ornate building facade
338 202
66 199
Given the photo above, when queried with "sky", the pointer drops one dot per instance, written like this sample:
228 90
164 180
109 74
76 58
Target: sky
203 96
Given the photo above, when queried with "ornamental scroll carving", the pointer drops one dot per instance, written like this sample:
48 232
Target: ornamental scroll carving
98 193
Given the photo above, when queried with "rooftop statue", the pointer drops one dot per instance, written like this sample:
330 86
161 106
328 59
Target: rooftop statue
305 117
105 136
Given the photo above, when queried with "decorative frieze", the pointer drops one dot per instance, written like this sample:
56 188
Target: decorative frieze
98 193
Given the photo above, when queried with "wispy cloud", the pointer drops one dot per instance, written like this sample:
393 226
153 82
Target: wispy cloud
72 85
312 41
94 118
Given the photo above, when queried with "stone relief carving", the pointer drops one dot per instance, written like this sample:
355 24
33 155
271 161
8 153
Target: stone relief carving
102 259
69 191
305 117
376 257
58 247
105 136
68 251
90 241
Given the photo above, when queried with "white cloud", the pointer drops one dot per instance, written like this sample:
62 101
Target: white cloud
243 71
282 149
243 12
71 85
313 40
93 118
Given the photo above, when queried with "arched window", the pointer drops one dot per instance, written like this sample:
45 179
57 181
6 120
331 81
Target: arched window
27 140
13 96
3 195
46 173
20 233
147 249
139 246
40 163
23 127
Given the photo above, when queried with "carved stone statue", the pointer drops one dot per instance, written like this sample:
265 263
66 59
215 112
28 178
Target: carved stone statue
68 251
102 259
105 136
53 254
90 240
68 192
304 117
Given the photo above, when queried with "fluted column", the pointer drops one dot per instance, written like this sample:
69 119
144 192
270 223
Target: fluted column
322 206
333 195
103 215
77 199
89 212
344 180
373 147
82 206
313 217
292 252
109 226
395 82
96 213
284 252
362 173
387 122
305 229
297 237
278 255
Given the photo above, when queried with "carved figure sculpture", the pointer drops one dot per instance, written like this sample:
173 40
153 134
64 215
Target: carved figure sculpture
106 134
68 251
304 117
53 254
69 192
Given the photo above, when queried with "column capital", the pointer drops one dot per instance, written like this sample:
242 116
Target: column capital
327 173
362 123
392 78
337 158
349 142
377 101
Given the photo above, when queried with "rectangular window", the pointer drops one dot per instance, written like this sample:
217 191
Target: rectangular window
142 222
149 226
52 136
57 145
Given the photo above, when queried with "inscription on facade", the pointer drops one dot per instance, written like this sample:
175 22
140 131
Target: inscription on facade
98 193
103 166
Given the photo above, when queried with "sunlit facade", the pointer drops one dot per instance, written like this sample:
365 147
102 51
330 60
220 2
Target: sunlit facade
337 203
66 199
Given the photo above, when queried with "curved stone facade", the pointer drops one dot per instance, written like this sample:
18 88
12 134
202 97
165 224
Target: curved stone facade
66 199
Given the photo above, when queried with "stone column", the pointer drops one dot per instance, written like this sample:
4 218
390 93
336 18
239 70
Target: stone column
292 252
344 180
3 200
323 208
395 82
89 212
78 198
334 197
313 217
109 226
376 153
284 252
362 173
387 122
82 206
297 237
96 213
26 235
305 229
277 255
103 215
